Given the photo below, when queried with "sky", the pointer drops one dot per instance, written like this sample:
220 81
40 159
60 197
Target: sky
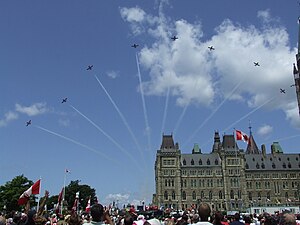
108 131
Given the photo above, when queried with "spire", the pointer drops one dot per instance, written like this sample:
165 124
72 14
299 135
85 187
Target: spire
252 147
217 142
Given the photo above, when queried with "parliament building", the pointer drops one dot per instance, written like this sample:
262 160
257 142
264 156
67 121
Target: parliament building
228 178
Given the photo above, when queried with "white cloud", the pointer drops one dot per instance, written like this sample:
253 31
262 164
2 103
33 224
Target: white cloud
120 198
112 74
8 117
135 14
33 110
265 130
198 76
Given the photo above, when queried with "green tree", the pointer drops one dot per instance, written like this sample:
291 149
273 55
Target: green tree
85 192
12 190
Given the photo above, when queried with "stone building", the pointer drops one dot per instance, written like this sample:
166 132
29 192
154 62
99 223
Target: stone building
228 178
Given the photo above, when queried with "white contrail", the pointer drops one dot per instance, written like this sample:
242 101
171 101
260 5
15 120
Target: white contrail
107 135
75 142
144 104
252 111
123 119
165 111
286 138
214 112
181 117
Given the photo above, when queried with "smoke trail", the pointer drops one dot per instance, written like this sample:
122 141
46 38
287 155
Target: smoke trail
181 117
144 104
108 136
165 112
214 112
76 142
243 117
286 138
123 119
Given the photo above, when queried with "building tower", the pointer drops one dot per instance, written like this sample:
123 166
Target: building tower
296 69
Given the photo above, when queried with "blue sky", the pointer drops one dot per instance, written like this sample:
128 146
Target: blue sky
108 131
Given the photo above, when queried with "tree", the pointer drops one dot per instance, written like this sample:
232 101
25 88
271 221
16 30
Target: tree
85 192
12 190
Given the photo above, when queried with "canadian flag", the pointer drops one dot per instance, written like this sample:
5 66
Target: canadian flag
240 136
88 207
33 190
59 200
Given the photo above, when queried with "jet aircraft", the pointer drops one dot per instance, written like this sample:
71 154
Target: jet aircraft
64 100
282 91
89 67
211 48
135 45
256 63
28 123
174 38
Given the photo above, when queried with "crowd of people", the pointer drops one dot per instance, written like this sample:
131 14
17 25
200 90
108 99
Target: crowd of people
100 215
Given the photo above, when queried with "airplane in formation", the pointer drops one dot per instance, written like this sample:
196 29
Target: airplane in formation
135 45
211 48
174 38
28 123
256 63
90 67
64 100
282 91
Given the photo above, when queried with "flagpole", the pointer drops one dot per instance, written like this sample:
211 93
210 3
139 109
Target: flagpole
64 190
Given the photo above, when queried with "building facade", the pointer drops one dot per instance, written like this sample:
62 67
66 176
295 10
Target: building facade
228 178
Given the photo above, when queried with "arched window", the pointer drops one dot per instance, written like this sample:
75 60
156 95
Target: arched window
257 166
173 195
289 165
166 195
184 162
216 162
250 196
194 195
247 166
286 195
262 166
220 195
210 195
259 196
183 195
208 162
231 194
166 183
200 162
268 195
192 162
273 165
283 165
202 194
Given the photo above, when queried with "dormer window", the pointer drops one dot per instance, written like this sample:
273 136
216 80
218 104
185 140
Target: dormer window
192 162
208 162
257 166
200 162
184 162
273 166
262 166
216 162
283 165
247 166
289 165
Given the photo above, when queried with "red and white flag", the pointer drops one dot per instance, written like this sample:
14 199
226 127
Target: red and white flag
88 207
59 200
33 190
241 136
